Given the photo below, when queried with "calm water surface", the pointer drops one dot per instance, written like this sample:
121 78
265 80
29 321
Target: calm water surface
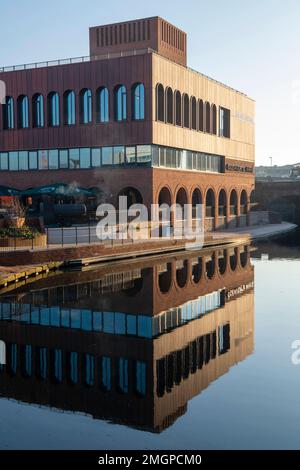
191 353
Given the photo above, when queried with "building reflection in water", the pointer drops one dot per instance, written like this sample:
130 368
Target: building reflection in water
131 343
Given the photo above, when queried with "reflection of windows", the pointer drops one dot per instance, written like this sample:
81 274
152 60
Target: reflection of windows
27 360
141 377
224 338
73 364
143 153
2 353
106 373
119 155
89 369
57 363
145 326
13 358
123 375
42 363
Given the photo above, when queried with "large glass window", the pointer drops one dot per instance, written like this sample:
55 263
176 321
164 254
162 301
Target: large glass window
23 160
86 114
74 160
119 155
85 158
102 105
53 159
38 118
33 161
8 113
120 103
107 156
53 109
23 112
138 101
3 161
143 153
69 108
63 159
57 365
43 159
130 155
96 158
13 161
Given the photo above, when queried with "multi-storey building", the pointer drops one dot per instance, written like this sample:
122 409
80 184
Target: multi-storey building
133 119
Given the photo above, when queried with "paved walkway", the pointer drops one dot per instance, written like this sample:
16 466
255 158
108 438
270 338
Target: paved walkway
258 232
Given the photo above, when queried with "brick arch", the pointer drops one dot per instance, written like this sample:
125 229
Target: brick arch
162 187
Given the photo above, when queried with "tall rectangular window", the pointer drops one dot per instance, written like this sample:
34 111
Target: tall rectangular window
23 160
63 159
225 122
123 375
33 161
96 158
13 161
43 159
74 160
3 161
119 155
130 155
107 156
53 159
85 158
106 373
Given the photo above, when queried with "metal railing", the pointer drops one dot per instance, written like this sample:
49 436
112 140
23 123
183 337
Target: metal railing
74 60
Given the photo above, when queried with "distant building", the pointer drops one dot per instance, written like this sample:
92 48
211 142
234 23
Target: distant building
132 119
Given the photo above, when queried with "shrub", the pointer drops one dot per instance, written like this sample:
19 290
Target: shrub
23 232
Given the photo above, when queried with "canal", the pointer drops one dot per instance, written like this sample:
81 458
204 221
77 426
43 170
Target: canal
193 351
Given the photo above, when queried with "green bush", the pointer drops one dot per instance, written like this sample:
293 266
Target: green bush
23 232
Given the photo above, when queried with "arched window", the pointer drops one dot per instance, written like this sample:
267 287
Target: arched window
8 113
222 203
138 101
194 113
85 107
23 112
169 107
196 202
38 118
210 203
53 109
214 119
160 103
178 119
69 108
186 111
120 103
102 104
201 116
233 202
207 117
243 202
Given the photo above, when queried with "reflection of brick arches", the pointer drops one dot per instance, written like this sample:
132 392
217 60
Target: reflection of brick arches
195 272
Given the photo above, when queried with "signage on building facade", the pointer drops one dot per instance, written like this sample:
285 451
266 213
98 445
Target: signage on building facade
239 168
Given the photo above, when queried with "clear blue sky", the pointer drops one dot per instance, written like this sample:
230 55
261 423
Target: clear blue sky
252 45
